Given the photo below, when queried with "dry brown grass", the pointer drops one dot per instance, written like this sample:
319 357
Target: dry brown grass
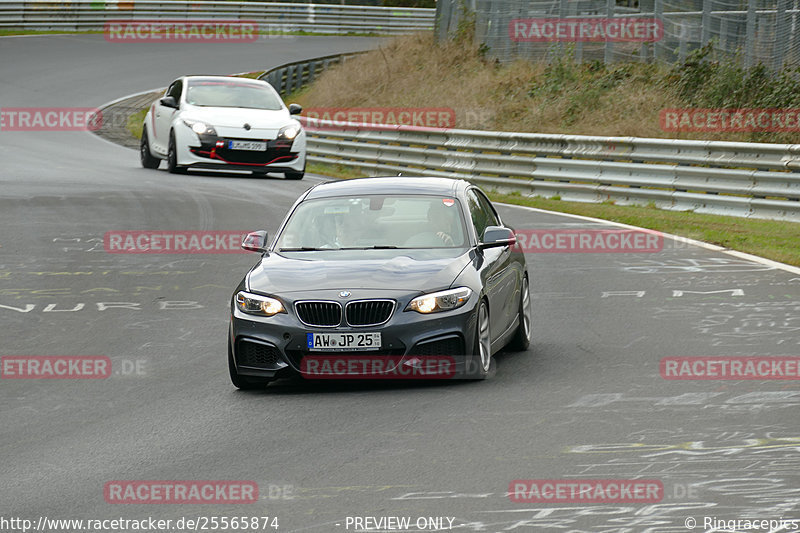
413 71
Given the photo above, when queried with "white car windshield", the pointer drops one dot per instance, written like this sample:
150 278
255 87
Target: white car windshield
374 222
211 93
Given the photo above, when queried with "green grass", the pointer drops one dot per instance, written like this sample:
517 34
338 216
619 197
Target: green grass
776 240
136 123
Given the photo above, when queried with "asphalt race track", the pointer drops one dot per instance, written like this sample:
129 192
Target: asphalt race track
587 401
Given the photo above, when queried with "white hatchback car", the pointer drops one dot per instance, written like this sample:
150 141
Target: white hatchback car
220 122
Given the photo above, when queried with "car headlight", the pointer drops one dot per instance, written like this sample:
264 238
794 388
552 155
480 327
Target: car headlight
255 304
199 127
440 301
289 132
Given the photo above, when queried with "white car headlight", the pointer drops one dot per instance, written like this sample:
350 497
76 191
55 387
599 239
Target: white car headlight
289 132
440 301
255 304
199 127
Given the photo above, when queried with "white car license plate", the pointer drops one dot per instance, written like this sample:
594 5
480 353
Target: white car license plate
253 146
322 342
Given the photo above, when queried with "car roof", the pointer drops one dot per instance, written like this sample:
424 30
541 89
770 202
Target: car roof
389 185
221 78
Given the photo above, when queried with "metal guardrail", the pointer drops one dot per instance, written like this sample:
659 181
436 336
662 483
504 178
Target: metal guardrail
293 76
671 174
272 17
742 179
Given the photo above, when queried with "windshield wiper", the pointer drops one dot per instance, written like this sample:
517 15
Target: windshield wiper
376 247
305 249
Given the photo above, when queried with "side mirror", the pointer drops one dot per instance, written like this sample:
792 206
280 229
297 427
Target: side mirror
169 101
496 236
295 109
255 241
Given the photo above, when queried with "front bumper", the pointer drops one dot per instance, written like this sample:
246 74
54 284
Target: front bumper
213 152
277 346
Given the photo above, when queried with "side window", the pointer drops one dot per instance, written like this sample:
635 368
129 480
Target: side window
481 211
175 90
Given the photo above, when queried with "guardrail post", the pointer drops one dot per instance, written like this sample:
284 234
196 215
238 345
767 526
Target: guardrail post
609 51
781 37
684 40
793 41
562 14
646 7
442 20
705 22
520 46
658 13
750 42
723 34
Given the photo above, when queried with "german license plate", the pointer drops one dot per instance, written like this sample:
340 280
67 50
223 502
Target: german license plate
331 342
253 146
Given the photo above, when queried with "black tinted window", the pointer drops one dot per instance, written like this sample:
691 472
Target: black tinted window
481 212
175 90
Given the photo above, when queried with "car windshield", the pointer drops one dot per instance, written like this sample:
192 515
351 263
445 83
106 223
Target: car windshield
376 222
209 93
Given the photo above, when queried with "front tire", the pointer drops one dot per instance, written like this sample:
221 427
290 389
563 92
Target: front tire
480 365
172 157
145 156
522 338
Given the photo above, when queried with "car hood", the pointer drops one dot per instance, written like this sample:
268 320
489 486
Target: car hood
277 274
236 117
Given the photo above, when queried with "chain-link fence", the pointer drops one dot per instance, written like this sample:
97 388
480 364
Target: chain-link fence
754 31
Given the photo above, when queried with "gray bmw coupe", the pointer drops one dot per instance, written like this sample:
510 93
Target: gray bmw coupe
381 277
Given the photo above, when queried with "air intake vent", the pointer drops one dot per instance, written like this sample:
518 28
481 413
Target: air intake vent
255 354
